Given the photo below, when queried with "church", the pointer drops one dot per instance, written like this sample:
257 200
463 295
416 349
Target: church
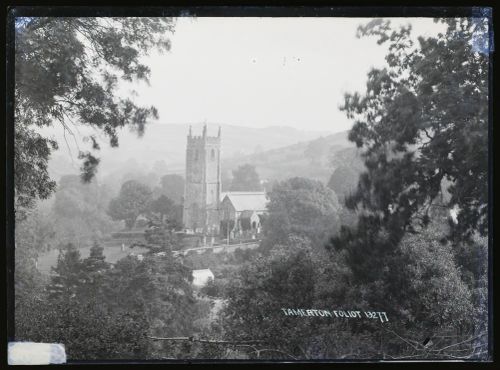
208 211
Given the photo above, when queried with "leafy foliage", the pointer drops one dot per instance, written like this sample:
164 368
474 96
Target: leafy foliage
264 286
100 312
404 255
245 178
67 274
422 126
343 180
213 289
33 236
158 287
134 198
169 212
303 207
31 178
424 155
94 269
160 238
79 211
414 140
424 121
88 330
171 186
73 310
77 64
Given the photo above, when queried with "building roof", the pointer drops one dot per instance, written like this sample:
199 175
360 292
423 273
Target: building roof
247 200
201 277
203 272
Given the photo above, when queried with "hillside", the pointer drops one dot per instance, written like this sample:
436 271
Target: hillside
276 152
315 159
163 146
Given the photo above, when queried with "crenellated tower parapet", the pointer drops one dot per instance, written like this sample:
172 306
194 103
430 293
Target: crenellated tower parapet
203 183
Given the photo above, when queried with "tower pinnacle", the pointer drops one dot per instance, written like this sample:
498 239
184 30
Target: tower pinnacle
203 184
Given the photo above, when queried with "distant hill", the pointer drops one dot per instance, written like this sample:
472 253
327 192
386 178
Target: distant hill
277 153
315 159
163 145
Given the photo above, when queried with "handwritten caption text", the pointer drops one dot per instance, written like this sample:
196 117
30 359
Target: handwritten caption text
382 316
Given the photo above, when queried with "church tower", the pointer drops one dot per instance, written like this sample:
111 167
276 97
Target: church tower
203 183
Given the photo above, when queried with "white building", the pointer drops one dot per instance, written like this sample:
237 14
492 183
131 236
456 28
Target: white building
202 277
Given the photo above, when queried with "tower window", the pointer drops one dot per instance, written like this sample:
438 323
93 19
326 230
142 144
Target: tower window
213 154
196 155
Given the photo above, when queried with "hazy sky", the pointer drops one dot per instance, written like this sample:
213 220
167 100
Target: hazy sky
264 71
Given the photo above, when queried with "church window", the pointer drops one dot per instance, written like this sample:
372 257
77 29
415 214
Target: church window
213 154
196 155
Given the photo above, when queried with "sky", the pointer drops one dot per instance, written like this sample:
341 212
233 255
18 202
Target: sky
260 72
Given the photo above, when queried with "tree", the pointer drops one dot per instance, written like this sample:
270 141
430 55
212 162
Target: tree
76 64
422 126
79 210
94 269
343 181
75 311
434 291
424 121
67 274
100 312
170 213
159 287
140 174
171 186
349 157
88 330
32 236
212 289
301 206
245 178
132 200
35 235
160 238
285 279
347 165
414 138
162 205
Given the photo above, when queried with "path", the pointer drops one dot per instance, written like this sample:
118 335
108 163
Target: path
219 248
